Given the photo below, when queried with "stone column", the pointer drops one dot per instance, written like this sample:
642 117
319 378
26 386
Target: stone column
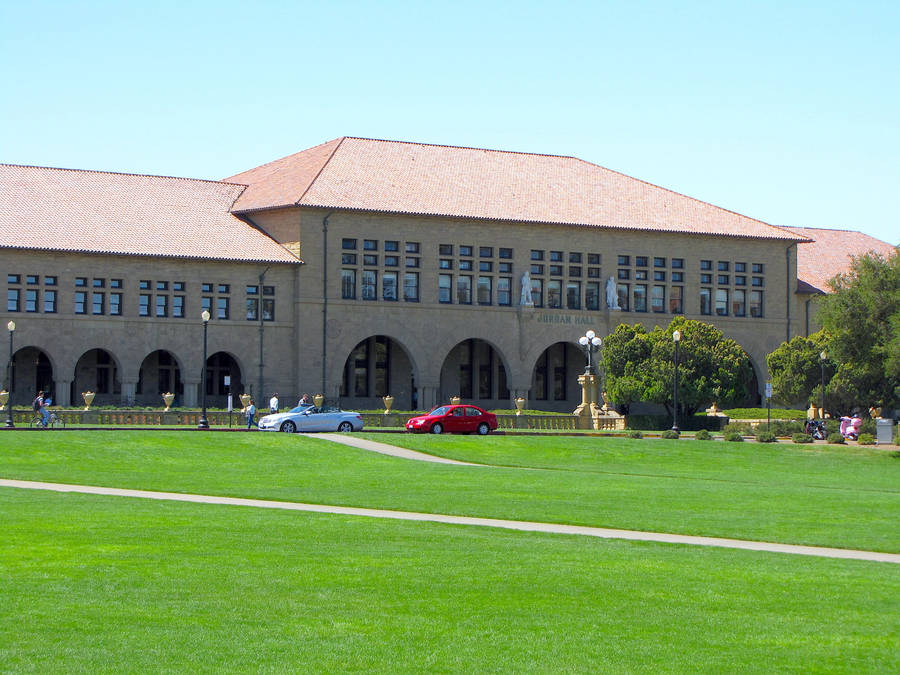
428 396
191 393
63 391
129 389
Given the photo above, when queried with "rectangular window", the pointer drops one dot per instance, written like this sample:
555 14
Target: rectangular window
51 281
50 302
348 284
756 304
677 263
445 264
623 293
369 285
659 262
32 300
739 303
348 244
723 266
392 246
485 290
575 258
624 274
412 247
574 271
678 277
143 305
14 279
370 259
268 309
412 262
391 261
389 290
740 280
593 258
32 279
592 295
370 245
537 269
178 306
80 282
640 297
465 265
222 308
640 261
160 285
706 278
252 290
445 249
348 258
445 288
706 265
706 301
162 305
658 299
721 302
206 304
81 302
98 303
485 251
485 266
176 286
223 288
464 289
252 309
504 291
506 253
537 292
554 293
12 300
537 255
723 279
757 268
465 251
676 300
758 281
593 272
659 276
411 286
640 275
740 267
556 256
505 267
573 295
204 288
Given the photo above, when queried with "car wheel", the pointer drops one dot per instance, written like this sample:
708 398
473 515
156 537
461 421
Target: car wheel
437 428
289 427
483 429
345 426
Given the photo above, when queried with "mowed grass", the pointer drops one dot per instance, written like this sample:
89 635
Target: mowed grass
842 497
96 584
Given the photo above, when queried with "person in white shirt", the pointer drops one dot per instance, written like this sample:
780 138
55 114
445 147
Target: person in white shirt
273 403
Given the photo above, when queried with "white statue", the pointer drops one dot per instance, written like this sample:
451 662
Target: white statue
526 300
612 297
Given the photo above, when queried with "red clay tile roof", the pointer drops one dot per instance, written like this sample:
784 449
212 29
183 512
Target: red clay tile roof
412 178
830 254
126 214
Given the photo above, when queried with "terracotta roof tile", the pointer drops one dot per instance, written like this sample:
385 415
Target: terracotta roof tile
830 253
98 212
413 178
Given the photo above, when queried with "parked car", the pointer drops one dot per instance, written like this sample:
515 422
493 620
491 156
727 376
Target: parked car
463 419
311 418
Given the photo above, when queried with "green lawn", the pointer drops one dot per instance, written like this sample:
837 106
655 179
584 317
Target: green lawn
109 585
844 497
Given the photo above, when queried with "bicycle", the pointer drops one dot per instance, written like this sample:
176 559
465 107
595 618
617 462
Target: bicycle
53 422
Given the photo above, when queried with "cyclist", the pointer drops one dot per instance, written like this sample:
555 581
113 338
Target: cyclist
40 406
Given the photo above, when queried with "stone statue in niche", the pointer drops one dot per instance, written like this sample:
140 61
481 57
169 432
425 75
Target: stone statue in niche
612 297
525 299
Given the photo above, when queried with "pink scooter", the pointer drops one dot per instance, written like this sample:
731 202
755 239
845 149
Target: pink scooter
850 427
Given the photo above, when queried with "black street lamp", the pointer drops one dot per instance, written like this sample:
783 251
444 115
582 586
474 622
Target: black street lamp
590 344
822 356
676 338
204 423
11 326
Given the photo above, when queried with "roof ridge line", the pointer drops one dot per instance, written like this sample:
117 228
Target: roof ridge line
120 173
458 147
321 169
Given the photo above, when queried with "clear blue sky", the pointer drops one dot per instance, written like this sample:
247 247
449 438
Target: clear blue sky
784 111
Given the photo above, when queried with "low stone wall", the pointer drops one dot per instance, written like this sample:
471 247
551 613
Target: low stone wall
23 417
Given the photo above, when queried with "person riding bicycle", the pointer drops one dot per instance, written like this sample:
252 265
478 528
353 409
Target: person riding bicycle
40 406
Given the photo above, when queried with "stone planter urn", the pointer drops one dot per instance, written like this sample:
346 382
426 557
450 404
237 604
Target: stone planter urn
455 400
88 397
319 399
4 397
388 403
168 397
245 400
812 413
874 413
520 405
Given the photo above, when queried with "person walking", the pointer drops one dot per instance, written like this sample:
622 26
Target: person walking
250 412
273 403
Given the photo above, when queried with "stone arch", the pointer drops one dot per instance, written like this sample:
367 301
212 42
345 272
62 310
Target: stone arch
376 366
219 365
475 369
32 370
97 370
160 372
554 377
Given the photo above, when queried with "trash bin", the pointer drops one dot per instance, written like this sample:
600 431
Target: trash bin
884 431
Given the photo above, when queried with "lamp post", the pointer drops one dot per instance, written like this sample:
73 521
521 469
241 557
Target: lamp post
822 356
676 338
11 326
590 344
204 423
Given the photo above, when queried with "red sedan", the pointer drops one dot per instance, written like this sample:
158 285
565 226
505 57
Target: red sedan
463 419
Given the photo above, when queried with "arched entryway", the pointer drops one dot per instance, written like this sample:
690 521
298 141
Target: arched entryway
223 376
98 371
376 367
554 381
160 373
31 372
475 371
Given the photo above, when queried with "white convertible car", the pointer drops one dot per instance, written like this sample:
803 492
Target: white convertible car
310 418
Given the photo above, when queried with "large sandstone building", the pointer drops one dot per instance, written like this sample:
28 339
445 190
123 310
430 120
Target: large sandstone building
361 267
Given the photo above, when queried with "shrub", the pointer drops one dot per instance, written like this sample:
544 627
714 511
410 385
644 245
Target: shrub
765 437
802 438
868 427
703 435
787 428
734 436
760 413
634 433
671 435
741 428
866 439
835 438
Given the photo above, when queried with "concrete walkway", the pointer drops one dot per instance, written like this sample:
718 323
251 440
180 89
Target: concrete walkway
524 526
385 449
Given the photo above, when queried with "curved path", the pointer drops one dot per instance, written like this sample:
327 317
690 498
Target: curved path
392 450
526 526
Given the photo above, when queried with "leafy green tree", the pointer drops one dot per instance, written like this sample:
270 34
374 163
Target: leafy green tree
795 369
640 366
862 317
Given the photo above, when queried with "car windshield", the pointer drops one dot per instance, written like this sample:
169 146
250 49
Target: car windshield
300 408
440 411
